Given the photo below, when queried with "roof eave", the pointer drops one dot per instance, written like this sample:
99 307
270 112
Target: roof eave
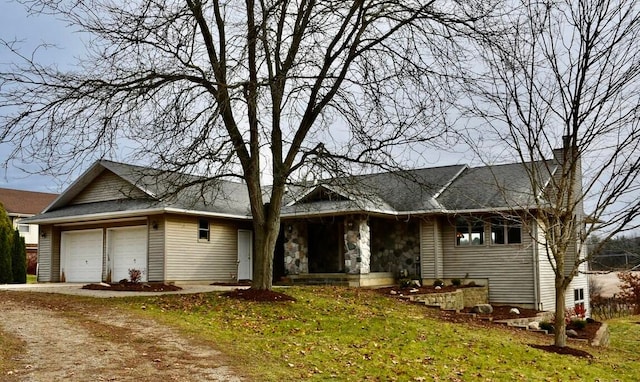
132 213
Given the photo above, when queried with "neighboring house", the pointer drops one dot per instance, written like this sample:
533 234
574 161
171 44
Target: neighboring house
435 223
21 204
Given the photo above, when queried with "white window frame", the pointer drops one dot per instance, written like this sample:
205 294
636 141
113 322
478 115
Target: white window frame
204 234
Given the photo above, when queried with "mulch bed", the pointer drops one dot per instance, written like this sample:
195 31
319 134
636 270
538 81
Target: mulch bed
134 287
258 295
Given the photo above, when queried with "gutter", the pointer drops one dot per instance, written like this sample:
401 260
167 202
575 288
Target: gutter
121 214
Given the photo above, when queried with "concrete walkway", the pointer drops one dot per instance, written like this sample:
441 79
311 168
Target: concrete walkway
76 289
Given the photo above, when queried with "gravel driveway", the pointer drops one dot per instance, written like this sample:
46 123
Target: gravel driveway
64 339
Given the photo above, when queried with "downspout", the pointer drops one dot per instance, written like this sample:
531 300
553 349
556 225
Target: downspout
536 271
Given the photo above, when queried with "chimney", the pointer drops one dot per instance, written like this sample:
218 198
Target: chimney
559 154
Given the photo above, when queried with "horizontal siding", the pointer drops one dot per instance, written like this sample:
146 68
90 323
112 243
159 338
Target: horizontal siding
509 268
107 186
546 274
156 248
428 249
45 254
190 259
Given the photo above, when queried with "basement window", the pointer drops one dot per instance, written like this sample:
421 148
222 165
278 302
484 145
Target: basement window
203 229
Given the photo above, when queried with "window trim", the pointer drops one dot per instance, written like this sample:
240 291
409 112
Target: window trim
472 227
506 225
204 234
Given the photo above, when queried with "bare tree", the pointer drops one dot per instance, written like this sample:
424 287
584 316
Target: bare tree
235 89
567 75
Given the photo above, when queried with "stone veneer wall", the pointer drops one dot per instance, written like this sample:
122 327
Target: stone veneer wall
395 246
296 259
474 296
357 249
446 300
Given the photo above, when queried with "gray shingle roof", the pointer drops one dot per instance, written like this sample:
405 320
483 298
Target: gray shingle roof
499 186
167 191
431 190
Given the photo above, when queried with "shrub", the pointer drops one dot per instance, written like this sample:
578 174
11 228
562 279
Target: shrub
6 245
438 282
135 275
544 325
456 282
578 324
404 282
630 289
18 259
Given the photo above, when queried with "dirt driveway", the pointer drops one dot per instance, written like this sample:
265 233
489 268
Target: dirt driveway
63 339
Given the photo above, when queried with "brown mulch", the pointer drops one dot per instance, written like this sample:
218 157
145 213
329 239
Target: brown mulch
258 295
134 287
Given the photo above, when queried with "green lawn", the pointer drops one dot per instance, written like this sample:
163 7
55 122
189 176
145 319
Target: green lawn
353 335
32 279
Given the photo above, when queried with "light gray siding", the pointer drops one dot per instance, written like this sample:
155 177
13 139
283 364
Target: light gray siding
431 249
546 274
107 186
190 259
156 248
44 254
509 268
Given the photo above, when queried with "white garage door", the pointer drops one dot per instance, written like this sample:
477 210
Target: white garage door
127 249
81 255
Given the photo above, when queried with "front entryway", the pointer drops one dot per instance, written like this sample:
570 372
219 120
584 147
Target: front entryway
245 254
127 249
326 247
81 256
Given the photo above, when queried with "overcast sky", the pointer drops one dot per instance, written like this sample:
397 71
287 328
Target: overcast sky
16 24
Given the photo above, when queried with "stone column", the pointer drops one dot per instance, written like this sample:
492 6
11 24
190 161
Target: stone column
296 258
357 257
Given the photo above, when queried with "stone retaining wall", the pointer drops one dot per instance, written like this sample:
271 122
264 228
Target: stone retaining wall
458 300
474 296
446 300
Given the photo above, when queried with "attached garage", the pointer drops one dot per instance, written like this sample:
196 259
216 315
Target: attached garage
81 255
127 249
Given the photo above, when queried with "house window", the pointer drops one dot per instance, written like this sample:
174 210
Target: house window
203 229
24 228
578 301
506 231
469 232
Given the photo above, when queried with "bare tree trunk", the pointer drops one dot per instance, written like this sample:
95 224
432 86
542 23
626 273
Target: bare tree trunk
266 235
560 335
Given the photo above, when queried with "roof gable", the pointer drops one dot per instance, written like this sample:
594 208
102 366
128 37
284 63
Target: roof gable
118 188
107 186
319 194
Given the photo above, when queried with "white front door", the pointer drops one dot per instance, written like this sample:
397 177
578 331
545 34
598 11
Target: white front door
245 254
127 249
81 256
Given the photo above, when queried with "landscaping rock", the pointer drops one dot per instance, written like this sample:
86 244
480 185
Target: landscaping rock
572 333
534 325
515 311
482 309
